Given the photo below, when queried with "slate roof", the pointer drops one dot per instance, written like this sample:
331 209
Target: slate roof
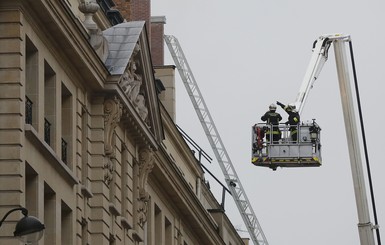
121 40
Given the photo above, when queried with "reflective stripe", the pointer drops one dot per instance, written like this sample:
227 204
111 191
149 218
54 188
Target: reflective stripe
274 132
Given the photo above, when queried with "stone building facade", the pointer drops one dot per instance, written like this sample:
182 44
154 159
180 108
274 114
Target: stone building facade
88 142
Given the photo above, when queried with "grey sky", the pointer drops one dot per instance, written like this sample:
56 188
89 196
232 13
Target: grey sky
248 54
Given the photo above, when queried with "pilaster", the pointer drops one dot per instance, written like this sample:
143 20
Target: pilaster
99 214
12 101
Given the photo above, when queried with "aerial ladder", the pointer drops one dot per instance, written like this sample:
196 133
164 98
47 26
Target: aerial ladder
231 177
294 154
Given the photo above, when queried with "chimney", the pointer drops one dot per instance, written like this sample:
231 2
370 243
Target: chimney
141 10
133 10
157 42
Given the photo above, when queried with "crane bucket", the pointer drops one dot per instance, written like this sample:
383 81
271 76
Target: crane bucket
286 146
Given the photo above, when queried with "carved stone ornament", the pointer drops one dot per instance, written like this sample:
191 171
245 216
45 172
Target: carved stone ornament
89 8
131 83
113 110
146 164
108 170
97 41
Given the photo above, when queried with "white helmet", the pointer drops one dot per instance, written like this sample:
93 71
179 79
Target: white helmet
272 107
291 106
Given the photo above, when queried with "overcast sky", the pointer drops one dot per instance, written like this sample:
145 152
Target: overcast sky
248 54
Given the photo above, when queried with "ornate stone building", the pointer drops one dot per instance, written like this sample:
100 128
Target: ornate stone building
88 142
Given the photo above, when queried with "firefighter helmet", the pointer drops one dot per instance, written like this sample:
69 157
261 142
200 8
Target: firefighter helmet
272 107
291 107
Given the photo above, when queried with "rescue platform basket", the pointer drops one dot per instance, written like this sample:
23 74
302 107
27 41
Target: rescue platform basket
286 146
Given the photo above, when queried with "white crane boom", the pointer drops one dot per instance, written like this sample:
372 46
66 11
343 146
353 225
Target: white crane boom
231 178
318 59
320 52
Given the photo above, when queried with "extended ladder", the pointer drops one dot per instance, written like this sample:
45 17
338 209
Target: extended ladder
231 178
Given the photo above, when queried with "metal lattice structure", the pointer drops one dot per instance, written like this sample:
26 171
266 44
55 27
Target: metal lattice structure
231 178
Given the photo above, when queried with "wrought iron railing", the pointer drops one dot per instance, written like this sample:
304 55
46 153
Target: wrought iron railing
47 131
64 145
28 110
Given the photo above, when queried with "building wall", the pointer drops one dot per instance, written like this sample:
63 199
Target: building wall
74 151
12 165
38 167
168 98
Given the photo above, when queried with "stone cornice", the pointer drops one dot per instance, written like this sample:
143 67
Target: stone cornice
146 163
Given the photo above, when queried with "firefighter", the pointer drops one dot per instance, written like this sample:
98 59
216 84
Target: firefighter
293 119
273 118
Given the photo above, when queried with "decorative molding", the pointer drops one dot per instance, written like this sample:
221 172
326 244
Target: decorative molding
125 223
113 110
86 191
112 238
89 8
146 164
83 222
113 210
136 236
108 170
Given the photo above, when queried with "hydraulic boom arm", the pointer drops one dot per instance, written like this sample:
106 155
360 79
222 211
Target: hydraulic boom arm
318 59
320 55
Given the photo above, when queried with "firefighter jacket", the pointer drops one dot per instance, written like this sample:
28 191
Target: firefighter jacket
293 118
271 117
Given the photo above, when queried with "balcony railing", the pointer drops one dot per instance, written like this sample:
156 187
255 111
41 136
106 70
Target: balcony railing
28 110
64 145
47 131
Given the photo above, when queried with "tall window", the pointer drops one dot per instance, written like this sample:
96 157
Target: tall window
158 224
31 190
66 125
66 224
49 105
49 215
31 83
167 231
